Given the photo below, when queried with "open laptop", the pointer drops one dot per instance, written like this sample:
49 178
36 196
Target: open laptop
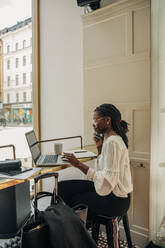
39 159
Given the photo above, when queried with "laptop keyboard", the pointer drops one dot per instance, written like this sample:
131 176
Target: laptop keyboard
50 159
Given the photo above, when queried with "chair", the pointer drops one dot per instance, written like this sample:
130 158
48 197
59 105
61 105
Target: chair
111 225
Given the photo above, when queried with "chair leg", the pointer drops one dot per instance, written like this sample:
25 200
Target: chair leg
110 236
95 231
127 230
115 231
118 235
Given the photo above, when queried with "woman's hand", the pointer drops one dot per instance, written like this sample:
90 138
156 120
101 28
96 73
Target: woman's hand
69 157
98 141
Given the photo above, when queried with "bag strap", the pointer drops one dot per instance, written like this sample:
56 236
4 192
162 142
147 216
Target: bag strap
38 195
55 200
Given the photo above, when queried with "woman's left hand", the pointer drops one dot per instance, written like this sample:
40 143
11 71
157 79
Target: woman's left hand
70 157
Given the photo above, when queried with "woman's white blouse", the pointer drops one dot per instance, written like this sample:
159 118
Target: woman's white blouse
112 172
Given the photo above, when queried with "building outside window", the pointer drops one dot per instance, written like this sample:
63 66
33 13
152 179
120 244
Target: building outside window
8 81
17 97
17 79
8 64
8 49
24 78
24 61
24 96
17 62
8 98
16 46
24 43
15 86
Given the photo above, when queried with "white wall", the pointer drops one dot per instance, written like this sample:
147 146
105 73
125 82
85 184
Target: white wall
61 57
61 68
61 73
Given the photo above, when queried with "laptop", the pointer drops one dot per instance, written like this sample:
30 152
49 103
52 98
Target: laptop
39 159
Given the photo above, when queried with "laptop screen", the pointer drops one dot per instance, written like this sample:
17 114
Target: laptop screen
31 140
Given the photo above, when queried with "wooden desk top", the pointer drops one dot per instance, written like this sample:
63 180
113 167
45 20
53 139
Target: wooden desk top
5 183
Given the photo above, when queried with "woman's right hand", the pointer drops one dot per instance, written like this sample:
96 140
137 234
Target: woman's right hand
98 139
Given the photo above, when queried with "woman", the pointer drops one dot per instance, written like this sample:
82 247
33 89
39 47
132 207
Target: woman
106 190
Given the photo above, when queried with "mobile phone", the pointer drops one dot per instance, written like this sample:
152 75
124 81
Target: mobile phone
99 136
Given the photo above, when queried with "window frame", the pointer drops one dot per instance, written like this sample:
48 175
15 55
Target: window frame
36 67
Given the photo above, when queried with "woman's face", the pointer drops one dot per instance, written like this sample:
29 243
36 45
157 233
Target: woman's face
100 123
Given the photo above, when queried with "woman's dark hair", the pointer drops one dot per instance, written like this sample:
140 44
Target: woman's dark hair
118 125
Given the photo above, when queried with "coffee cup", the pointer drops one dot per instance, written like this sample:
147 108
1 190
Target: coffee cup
58 148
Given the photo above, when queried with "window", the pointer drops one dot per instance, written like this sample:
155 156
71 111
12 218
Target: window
24 96
17 62
8 98
15 43
8 64
17 97
24 43
16 46
17 79
8 81
24 78
24 61
8 49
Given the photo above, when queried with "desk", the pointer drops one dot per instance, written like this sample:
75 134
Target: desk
16 193
5 183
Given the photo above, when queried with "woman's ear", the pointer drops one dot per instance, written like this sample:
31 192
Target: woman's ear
108 121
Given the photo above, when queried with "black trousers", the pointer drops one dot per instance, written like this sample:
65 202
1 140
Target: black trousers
82 191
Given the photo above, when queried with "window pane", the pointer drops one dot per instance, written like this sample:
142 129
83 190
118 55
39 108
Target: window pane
24 61
24 78
16 46
16 79
8 64
16 62
17 97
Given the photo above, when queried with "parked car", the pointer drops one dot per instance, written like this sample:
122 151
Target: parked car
3 122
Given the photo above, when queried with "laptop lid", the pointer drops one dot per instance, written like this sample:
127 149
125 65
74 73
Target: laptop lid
33 145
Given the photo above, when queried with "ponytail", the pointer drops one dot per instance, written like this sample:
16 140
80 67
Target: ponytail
121 128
